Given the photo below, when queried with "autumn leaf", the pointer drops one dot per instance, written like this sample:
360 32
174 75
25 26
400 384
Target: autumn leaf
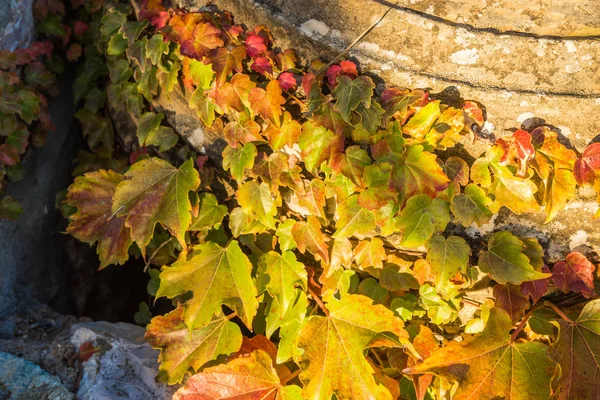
204 37
447 129
211 213
505 260
370 253
447 257
308 236
243 130
215 276
313 198
318 144
421 123
182 350
576 274
353 219
256 199
349 93
153 191
490 365
587 168
286 134
576 351
239 159
518 150
352 163
250 376
421 218
94 220
511 299
471 206
339 339
284 235
267 103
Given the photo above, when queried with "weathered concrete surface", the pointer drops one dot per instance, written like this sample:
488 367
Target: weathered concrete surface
124 367
543 68
16 22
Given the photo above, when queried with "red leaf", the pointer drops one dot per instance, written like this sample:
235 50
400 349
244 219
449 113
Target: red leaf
576 274
262 65
588 166
8 155
536 289
511 299
287 81
80 28
255 46
517 149
347 68
205 37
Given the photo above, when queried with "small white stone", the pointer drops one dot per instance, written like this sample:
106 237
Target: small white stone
572 68
565 130
577 239
570 46
521 118
314 27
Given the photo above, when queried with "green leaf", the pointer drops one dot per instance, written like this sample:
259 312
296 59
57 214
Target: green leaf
447 257
151 133
471 206
318 144
421 123
576 351
202 74
211 213
349 93
181 350
394 280
284 235
491 366
238 159
439 309
153 191
256 199
215 276
505 260
204 106
421 218
156 48
116 45
10 208
280 275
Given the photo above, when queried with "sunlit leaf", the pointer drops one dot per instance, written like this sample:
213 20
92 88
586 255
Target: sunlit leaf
421 218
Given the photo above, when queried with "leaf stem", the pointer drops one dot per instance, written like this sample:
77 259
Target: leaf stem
318 300
231 316
524 320
377 358
558 311
291 376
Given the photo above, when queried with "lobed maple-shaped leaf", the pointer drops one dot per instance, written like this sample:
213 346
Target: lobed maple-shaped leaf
340 255
377 178
352 163
204 37
318 144
505 260
243 130
181 349
94 220
417 171
576 274
511 299
308 236
286 134
471 206
215 275
536 289
421 218
331 348
370 254
490 366
280 275
446 132
576 351
256 200
349 93
267 103
247 377
284 235
447 257
151 133
224 61
238 159
211 213
441 309
313 198
153 191
353 219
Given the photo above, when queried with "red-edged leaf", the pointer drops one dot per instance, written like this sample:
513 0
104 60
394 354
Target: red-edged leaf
576 274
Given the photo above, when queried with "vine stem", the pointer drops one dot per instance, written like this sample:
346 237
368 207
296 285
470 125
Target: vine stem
318 300
291 376
558 311
513 337
155 252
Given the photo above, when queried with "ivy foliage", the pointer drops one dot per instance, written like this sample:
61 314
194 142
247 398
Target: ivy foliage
322 257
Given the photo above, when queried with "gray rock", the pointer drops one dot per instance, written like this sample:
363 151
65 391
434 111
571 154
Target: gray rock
23 380
31 256
125 367
16 22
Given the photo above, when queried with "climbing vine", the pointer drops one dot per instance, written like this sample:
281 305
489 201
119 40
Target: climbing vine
323 255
